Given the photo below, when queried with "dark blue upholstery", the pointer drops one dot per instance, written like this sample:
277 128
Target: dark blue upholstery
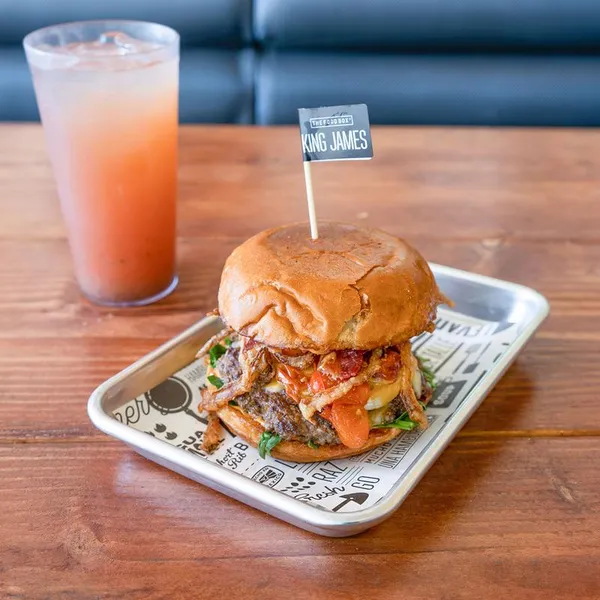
17 101
216 86
466 62
428 25
216 83
433 89
205 23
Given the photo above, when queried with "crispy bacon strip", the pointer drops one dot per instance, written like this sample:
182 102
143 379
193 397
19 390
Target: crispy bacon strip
342 365
407 392
212 435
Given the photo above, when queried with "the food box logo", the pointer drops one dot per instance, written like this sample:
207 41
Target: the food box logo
333 121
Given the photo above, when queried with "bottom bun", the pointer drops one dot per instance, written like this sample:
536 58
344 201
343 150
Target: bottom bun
250 430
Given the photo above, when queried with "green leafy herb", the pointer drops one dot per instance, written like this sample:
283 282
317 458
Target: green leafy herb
233 403
228 342
216 381
267 442
428 373
312 445
215 354
402 422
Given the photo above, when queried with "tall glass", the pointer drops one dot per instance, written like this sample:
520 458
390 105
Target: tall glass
107 93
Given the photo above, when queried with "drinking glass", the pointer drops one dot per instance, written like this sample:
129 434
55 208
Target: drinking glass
107 92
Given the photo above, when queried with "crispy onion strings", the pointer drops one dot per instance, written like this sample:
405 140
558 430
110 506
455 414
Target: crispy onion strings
215 339
212 434
407 392
253 362
302 361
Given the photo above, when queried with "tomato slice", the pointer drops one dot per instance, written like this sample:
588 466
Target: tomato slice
319 382
293 380
349 416
316 382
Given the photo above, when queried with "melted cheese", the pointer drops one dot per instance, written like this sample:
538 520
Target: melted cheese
382 394
273 387
376 417
417 383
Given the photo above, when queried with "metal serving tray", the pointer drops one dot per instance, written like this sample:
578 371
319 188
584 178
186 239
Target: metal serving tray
152 406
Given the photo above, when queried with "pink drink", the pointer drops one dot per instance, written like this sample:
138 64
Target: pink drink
109 110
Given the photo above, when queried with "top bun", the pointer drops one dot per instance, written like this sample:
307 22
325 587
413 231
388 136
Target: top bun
351 288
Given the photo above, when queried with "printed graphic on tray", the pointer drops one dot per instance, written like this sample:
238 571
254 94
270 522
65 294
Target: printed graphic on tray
460 352
268 475
172 396
446 393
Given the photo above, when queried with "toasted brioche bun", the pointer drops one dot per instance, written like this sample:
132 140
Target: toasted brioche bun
250 430
351 288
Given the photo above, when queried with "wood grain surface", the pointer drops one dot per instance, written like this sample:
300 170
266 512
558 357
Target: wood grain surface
510 510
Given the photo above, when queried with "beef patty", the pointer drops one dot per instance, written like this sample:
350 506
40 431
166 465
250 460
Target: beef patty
282 416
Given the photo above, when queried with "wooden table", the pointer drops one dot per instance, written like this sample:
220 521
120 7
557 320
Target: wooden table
511 509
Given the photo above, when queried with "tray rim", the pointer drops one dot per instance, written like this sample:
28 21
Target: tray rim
301 513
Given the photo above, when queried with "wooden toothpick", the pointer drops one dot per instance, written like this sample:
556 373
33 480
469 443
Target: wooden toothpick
312 217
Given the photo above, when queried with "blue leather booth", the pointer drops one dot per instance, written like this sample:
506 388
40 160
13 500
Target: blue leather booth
216 78
471 62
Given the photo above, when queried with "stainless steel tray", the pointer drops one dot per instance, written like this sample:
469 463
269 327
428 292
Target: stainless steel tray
472 347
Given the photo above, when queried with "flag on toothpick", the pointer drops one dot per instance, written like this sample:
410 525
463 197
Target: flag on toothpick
332 133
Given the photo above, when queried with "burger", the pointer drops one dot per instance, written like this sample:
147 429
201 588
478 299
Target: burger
315 360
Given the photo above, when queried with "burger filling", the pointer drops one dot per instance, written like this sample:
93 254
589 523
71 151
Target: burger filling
335 398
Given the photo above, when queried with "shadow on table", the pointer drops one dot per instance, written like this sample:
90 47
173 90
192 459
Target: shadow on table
441 495
182 510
